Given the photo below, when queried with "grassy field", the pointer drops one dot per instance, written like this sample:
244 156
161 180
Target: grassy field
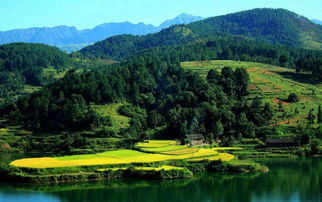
49 72
54 73
165 147
30 89
15 136
271 83
222 157
156 143
118 121
118 157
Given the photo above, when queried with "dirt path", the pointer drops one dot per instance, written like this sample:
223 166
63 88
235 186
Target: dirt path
285 122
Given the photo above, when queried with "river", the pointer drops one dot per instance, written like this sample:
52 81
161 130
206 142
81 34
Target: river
288 180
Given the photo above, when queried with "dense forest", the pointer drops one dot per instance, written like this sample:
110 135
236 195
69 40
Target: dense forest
24 63
161 94
275 26
211 48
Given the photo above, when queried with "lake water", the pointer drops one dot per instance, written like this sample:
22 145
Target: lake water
288 180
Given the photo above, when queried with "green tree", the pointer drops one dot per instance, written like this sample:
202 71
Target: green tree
311 117
319 114
213 76
218 129
241 82
268 112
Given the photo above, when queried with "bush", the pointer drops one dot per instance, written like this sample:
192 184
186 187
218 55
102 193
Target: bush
315 146
238 166
293 98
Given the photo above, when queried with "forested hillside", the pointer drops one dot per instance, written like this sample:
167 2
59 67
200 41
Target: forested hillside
274 26
220 47
120 47
23 63
160 93
277 26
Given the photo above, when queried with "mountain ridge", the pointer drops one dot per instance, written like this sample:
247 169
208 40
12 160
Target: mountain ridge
273 26
67 36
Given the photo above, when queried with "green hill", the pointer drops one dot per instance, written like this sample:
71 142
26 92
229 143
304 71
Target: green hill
274 26
277 26
272 84
122 46
29 64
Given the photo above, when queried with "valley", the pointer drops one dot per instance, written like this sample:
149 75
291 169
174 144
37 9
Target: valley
226 103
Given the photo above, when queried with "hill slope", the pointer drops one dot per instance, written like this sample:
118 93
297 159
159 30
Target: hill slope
122 46
32 64
275 26
272 84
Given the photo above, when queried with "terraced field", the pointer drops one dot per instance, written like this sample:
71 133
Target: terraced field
119 157
271 83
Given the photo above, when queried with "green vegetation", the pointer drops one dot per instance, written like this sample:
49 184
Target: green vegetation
111 111
250 109
32 64
274 85
108 158
239 166
276 26
156 143
124 163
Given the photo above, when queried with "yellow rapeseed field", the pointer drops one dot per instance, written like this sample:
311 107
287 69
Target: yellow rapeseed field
55 163
227 148
188 150
220 156
164 149
156 143
121 157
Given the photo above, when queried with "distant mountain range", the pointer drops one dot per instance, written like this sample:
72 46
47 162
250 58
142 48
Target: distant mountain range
70 38
317 21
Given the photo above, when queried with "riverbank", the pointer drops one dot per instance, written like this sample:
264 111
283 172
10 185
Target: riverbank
154 159
174 169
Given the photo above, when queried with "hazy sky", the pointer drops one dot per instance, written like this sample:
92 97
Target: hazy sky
89 13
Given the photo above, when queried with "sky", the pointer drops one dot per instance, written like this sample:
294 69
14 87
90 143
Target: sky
89 13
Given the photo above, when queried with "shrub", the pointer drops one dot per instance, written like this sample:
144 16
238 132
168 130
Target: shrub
293 98
315 146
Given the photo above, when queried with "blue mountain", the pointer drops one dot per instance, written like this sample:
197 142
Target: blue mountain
70 38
